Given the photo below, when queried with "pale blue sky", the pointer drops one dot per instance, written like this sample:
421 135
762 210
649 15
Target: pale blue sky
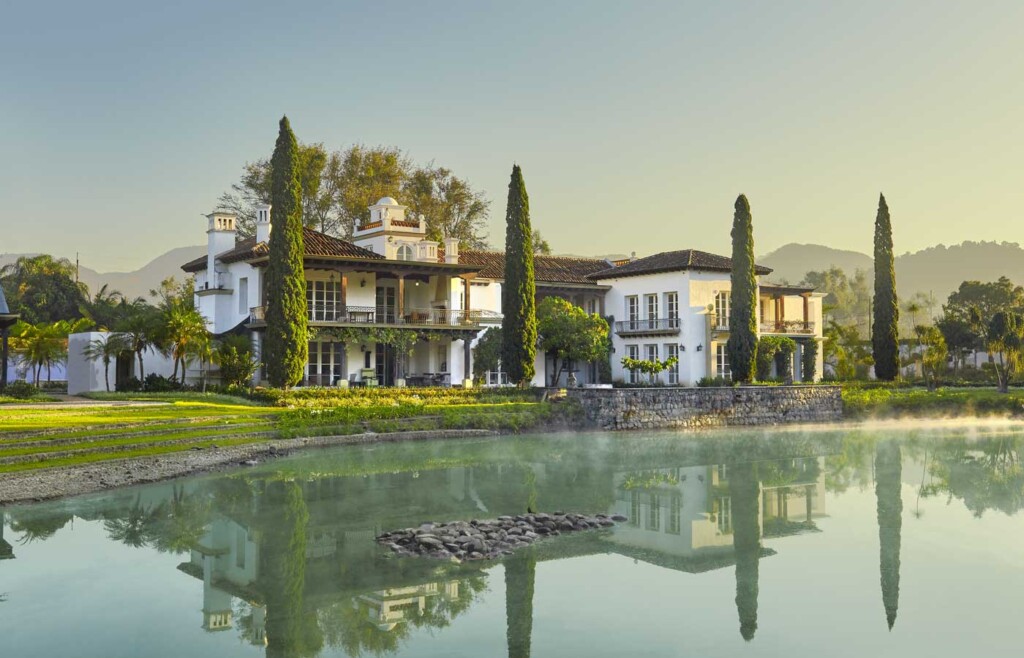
636 124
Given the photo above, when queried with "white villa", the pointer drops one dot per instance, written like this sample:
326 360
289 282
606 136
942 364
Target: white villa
389 275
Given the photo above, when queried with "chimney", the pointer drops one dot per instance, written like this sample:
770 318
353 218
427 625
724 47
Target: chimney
451 250
220 237
262 222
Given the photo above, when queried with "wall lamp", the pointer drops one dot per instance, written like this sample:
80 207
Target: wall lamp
700 347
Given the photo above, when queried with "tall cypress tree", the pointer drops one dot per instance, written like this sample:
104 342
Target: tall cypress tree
520 573
285 346
745 487
518 295
742 343
885 328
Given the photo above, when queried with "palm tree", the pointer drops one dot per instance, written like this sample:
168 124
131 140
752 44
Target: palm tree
39 345
139 334
106 349
183 335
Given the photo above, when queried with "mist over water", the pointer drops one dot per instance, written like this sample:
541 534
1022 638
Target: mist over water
874 539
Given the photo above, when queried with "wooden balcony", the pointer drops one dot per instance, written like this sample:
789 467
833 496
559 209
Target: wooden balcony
787 327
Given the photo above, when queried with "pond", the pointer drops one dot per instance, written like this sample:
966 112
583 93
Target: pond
888 540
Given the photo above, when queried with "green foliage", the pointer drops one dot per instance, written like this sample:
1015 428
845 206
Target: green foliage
933 354
847 299
236 361
1005 342
888 484
905 402
42 289
885 328
518 293
742 343
316 397
338 186
540 245
19 389
847 353
487 353
569 334
651 368
777 350
44 344
105 349
714 382
285 347
963 323
809 360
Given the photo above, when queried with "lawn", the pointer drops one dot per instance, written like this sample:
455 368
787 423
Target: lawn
882 402
47 437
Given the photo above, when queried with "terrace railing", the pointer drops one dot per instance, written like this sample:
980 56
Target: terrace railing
663 326
787 327
430 317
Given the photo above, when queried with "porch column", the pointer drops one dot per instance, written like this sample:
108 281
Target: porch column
467 362
401 298
344 294
807 310
467 281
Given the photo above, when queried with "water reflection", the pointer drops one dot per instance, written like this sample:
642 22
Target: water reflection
287 561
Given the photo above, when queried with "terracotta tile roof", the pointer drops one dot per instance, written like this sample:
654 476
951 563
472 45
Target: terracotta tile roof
672 261
315 244
547 269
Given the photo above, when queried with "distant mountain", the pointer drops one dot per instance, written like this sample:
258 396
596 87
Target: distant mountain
139 282
938 270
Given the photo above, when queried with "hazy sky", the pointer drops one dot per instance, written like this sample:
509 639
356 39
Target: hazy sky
636 123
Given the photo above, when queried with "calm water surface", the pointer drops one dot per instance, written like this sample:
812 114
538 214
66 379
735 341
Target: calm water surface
883 541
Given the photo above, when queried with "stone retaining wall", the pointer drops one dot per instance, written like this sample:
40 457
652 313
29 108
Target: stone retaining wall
662 408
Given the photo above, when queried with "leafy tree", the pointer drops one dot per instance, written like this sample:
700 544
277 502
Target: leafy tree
569 335
1006 345
182 335
42 289
106 349
235 358
777 351
518 294
487 353
338 186
988 298
847 299
285 346
960 335
140 331
452 208
540 245
933 355
109 308
175 293
885 328
846 352
742 343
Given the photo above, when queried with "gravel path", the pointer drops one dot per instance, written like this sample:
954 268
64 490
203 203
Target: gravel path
75 480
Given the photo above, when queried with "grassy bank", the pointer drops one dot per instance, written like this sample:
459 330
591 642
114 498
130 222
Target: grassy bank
891 402
38 438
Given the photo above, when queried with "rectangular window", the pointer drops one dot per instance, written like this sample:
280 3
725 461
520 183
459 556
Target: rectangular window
722 362
243 296
651 354
591 306
633 310
672 352
633 352
651 304
326 363
672 308
634 508
654 513
724 515
675 512
722 302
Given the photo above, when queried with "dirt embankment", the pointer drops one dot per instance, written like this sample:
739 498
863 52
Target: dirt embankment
52 483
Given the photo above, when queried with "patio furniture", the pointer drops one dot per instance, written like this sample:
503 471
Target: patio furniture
368 376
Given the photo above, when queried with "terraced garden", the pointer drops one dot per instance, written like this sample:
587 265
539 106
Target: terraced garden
50 437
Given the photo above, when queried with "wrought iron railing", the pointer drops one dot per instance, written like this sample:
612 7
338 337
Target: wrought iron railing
336 314
650 326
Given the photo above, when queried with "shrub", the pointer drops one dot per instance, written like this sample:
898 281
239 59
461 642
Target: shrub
712 382
159 384
20 389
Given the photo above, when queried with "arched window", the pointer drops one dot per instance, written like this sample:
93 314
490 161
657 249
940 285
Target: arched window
405 252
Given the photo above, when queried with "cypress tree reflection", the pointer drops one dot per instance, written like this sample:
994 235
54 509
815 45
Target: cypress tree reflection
291 629
744 488
520 571
888 471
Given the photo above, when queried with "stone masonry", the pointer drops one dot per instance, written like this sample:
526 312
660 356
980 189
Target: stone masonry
666 408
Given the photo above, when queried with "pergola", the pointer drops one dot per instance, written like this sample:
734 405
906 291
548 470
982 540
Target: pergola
7 319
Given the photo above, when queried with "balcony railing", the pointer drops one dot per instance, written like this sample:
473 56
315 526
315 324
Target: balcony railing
787 327
218 281
432 317
664 326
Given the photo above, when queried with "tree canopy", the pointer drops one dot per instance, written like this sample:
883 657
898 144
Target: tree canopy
42 289
570 335
338 186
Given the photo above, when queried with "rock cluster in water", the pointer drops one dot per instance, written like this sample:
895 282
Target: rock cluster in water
488 539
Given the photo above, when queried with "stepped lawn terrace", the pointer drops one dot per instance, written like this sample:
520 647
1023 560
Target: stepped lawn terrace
847 541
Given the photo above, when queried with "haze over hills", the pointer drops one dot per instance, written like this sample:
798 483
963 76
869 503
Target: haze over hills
137 283
938 270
